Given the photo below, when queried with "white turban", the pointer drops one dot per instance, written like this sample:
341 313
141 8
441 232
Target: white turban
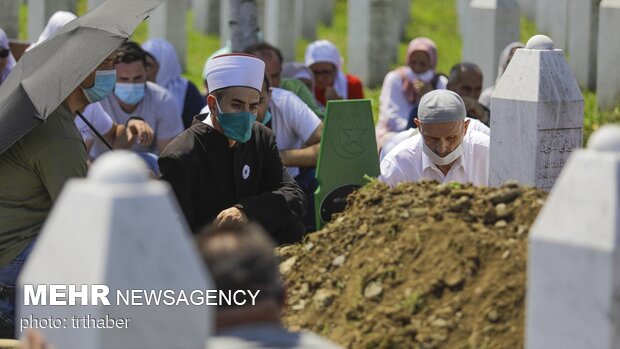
440 106
235 70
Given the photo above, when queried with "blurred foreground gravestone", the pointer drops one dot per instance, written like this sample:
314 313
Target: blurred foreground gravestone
607 77
9 17
40 11
348 153
493 24
582 41
168 22
573 266
537 117
119 229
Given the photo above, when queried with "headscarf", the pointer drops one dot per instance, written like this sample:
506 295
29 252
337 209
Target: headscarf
418 44
297 70
323 51
10 63
169 73
503 57
57 21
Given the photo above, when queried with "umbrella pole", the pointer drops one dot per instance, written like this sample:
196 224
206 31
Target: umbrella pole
94 130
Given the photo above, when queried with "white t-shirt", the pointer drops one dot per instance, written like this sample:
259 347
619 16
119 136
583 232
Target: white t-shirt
394 108
95 114
408 163
292 121
159 109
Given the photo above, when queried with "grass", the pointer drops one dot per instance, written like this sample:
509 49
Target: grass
436 19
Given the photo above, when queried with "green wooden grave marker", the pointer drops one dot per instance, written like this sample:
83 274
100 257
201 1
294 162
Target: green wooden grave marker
348 153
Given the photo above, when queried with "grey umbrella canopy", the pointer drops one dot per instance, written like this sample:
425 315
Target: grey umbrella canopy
46 75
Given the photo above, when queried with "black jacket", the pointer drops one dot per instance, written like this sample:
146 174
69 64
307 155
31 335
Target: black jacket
208 176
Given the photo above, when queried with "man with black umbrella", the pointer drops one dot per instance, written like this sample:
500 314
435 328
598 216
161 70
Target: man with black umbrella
40 146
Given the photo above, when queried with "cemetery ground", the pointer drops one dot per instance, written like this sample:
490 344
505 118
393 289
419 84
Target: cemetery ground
418 266
436 19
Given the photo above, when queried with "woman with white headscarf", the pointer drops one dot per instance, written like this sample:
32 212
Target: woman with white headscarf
164 69
331 82
7 61
504 59
57 21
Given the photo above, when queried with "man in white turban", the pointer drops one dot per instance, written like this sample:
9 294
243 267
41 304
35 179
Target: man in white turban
444 150
226 169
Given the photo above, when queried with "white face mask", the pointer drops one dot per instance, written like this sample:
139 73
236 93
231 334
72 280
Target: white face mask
446 160
427 76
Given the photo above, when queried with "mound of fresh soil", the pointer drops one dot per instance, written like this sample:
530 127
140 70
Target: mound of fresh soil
418 266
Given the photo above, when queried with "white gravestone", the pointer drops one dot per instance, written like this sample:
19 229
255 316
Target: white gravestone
280 26
119 229
168 22
607 77
306 18
371 41
543 10
39 12
582 41
225 33
559 23
537 117
573 278
94 3
462 8
9 17
493 24
528 8
326 11
206 16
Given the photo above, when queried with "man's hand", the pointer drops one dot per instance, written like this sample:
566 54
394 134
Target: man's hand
231 217
139 132
421 89
475 109
331 94
34 340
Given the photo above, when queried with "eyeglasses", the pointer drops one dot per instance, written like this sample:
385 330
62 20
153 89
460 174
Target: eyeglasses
4 53
326 72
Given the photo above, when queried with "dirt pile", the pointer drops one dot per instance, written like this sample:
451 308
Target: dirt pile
418 266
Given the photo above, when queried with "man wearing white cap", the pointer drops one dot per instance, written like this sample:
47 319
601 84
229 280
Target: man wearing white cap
332 83
226 168
443 151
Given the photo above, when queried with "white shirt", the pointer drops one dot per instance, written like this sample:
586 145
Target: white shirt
474 125
95 114
292 121
394 108
408 163
159 109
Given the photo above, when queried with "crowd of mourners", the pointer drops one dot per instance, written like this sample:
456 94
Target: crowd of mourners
241 157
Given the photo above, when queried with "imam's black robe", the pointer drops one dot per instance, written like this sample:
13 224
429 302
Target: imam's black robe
208 176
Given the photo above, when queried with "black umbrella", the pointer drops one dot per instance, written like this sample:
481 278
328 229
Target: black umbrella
46 75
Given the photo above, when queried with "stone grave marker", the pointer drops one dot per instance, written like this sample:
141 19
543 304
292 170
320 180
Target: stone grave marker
573 274
607 77
9 17
280 26
582 41
537 117
168 22
348 153
119 229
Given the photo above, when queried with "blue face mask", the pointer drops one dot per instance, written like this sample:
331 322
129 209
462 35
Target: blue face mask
236 126
104 84
267 118
129 93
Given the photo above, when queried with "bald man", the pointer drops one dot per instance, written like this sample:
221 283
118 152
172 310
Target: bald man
443 150
466 80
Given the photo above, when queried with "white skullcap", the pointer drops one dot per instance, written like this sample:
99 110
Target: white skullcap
440 106
235 70
323 51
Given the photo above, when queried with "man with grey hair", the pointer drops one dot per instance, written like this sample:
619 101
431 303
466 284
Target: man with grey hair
466 80
443 150
243 258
